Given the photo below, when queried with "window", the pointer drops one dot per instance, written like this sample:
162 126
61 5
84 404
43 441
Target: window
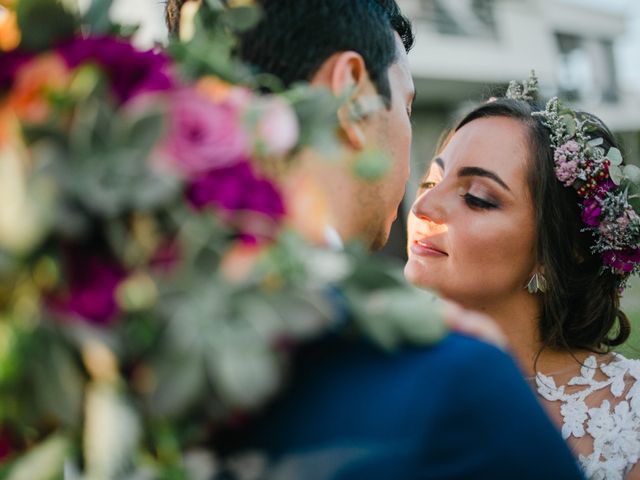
474 18
587 69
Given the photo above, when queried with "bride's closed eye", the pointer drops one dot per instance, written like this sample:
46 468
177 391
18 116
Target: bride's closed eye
478 203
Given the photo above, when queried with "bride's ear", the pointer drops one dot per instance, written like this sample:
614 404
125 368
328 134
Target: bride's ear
345 74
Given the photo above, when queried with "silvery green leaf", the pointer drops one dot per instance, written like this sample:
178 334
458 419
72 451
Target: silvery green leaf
201 464
111 432
317 109
180 381
327 266
372 165
43 462
302 314
59 384
97 17
615 172
632 172
570 124
143 130
244 370
242 19
394 316
615 156
595 142
43 23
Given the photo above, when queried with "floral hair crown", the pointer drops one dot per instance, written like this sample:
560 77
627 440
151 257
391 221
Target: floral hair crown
609 192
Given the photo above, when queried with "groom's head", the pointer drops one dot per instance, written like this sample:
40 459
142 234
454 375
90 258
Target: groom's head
357 46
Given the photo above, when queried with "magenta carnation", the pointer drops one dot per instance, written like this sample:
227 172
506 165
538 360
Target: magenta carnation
591 212
204 135
91 290
10 63
622 261
130 71
236 188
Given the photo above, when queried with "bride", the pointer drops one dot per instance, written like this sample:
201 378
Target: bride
519 217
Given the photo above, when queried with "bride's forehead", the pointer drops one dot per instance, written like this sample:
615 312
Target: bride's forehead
498 141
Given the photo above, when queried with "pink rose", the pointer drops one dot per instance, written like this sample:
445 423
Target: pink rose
204 135
277 131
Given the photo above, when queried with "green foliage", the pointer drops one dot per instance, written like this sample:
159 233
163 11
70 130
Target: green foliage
316 111
44 23
372 165
630 305
97 17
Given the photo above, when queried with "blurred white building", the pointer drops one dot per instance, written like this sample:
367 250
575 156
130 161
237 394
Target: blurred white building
468 49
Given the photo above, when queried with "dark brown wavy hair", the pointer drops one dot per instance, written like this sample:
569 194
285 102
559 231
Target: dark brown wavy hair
295 37
581 305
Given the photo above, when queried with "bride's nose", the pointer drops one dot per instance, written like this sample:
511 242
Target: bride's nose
429 207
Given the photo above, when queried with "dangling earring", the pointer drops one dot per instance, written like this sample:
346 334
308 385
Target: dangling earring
537 283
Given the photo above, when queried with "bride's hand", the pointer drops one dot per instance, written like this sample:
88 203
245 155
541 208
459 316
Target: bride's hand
474 324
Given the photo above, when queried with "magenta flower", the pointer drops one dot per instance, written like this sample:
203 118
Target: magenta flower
622 261
10 63
204 135
93 281
604 187
131 72
591 212
236 188
6 449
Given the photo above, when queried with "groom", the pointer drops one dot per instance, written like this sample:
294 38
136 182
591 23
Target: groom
456 410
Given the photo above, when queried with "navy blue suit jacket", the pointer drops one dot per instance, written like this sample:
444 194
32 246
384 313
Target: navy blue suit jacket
459 409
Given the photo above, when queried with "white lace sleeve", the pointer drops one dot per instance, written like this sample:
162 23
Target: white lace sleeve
600 415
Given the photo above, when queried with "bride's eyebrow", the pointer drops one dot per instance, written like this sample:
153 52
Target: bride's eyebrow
439 162
481 172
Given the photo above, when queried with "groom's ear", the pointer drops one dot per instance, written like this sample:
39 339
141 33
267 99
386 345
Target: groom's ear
345 73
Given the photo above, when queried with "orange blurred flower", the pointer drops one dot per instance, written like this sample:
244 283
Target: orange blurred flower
33 83
239 262
308 207
214 88
8 124
9 31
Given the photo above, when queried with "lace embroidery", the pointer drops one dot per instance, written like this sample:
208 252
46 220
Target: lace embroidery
615 429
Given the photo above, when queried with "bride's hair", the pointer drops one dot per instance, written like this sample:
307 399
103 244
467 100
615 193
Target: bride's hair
581 305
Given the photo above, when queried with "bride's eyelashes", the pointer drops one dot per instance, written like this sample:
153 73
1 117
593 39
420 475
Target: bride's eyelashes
472 201
478 203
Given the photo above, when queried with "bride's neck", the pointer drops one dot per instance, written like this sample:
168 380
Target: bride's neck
519 318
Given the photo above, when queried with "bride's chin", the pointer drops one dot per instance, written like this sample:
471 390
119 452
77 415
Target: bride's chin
415 274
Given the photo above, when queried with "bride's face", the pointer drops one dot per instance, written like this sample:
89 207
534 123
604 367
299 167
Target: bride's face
471 231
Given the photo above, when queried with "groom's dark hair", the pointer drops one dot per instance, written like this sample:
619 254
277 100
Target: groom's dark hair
295 37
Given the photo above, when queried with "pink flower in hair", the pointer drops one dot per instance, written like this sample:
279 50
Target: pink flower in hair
567 172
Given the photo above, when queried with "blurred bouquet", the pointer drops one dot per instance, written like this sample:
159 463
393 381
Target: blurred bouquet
150 290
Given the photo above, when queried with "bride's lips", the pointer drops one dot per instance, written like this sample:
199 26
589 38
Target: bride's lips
425 248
